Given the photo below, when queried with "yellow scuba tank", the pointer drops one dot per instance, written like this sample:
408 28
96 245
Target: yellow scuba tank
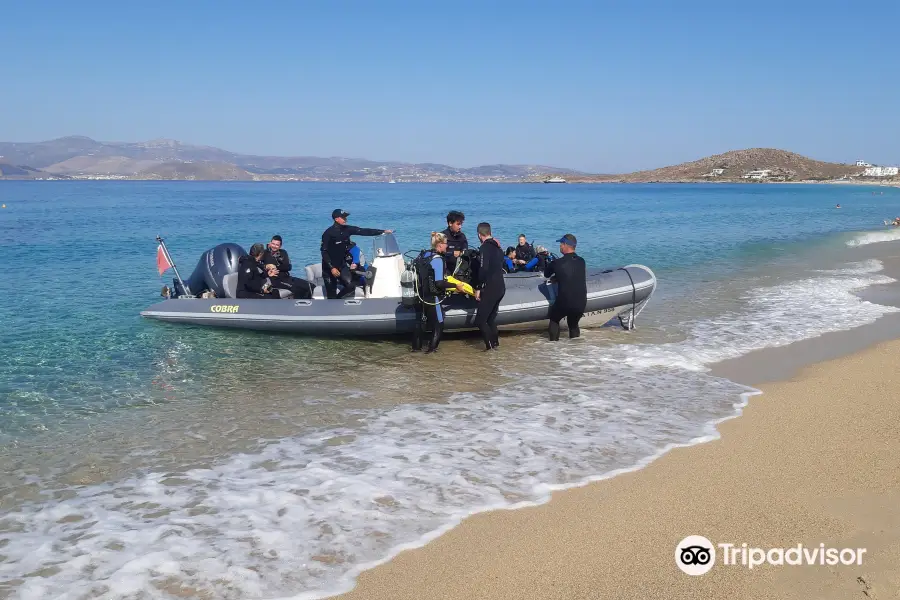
466 287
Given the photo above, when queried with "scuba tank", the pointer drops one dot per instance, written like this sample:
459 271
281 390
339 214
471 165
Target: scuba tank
407 287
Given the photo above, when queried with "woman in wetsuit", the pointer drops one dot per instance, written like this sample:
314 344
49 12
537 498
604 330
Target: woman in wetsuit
431 289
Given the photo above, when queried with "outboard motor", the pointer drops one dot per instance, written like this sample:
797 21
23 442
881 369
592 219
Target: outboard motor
212 268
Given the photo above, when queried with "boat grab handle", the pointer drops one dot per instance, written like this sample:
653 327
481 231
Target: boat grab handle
352 302
303 303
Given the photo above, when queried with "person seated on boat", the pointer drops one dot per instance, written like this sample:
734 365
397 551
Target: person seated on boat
509 263
355 262
456 239
524 253
277 257
253 277
540 261
570 273
335 247
431 287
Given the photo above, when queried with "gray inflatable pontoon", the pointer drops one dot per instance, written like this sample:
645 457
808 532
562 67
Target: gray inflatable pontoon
378 310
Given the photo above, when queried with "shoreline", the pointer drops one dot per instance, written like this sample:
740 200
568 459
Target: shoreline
497 553
888 184
830 474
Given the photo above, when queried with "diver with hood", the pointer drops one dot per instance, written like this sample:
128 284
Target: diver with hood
490 287
431 286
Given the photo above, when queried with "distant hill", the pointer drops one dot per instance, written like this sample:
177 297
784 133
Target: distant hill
783 166
78 155
196 171
81 157
102 165
9 171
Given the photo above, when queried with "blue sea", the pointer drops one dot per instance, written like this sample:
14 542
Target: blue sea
150 460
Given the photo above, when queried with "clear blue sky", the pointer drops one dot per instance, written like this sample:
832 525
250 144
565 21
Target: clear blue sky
601 86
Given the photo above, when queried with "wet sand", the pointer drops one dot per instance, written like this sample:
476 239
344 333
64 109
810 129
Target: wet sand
814 459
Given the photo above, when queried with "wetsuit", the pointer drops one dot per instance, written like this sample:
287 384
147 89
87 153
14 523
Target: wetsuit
429 314
251 279
571 298
525 253
300 288
456 242
492 288
335 247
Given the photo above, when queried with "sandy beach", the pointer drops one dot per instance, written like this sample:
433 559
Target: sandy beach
813 460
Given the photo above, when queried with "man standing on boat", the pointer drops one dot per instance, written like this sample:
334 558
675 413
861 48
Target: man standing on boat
570 273
335 246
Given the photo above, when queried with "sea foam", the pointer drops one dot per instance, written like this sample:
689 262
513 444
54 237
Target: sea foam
875 237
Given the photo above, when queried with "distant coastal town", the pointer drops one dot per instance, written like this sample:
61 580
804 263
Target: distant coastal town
82 158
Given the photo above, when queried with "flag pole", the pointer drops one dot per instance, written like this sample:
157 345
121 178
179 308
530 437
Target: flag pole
162 245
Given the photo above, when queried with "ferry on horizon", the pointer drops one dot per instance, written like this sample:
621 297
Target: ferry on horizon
555 180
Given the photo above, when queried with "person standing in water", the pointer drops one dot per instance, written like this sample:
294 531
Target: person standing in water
432 286
456 239
490 288
570 273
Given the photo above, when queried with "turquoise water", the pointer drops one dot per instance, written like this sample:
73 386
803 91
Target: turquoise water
103 413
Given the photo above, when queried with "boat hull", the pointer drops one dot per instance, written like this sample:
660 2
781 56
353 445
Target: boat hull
611 293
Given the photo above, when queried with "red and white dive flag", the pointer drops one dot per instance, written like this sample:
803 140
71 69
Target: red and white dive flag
162 261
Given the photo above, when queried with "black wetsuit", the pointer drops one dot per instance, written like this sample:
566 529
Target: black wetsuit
456 242
525 253
571 298
251 279
492 288
335 247
429 313
297 286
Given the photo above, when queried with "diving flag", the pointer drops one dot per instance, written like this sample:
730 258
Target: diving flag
162 260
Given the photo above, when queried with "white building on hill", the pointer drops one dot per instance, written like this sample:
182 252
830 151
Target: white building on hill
760 174
881 172
862 163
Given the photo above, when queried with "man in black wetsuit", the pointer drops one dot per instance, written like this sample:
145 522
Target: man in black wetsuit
252 277
490 287
335 247
524 252
456 239
571 279
278 257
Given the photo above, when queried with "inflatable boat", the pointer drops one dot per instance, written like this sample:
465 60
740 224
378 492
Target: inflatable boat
208 298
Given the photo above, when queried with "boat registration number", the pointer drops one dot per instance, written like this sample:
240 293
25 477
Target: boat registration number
224 308
599 312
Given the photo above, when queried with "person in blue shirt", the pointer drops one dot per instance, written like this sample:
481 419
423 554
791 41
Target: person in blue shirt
431 287
509 263
354 257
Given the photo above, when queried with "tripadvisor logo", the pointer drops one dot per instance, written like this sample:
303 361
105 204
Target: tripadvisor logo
696 555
